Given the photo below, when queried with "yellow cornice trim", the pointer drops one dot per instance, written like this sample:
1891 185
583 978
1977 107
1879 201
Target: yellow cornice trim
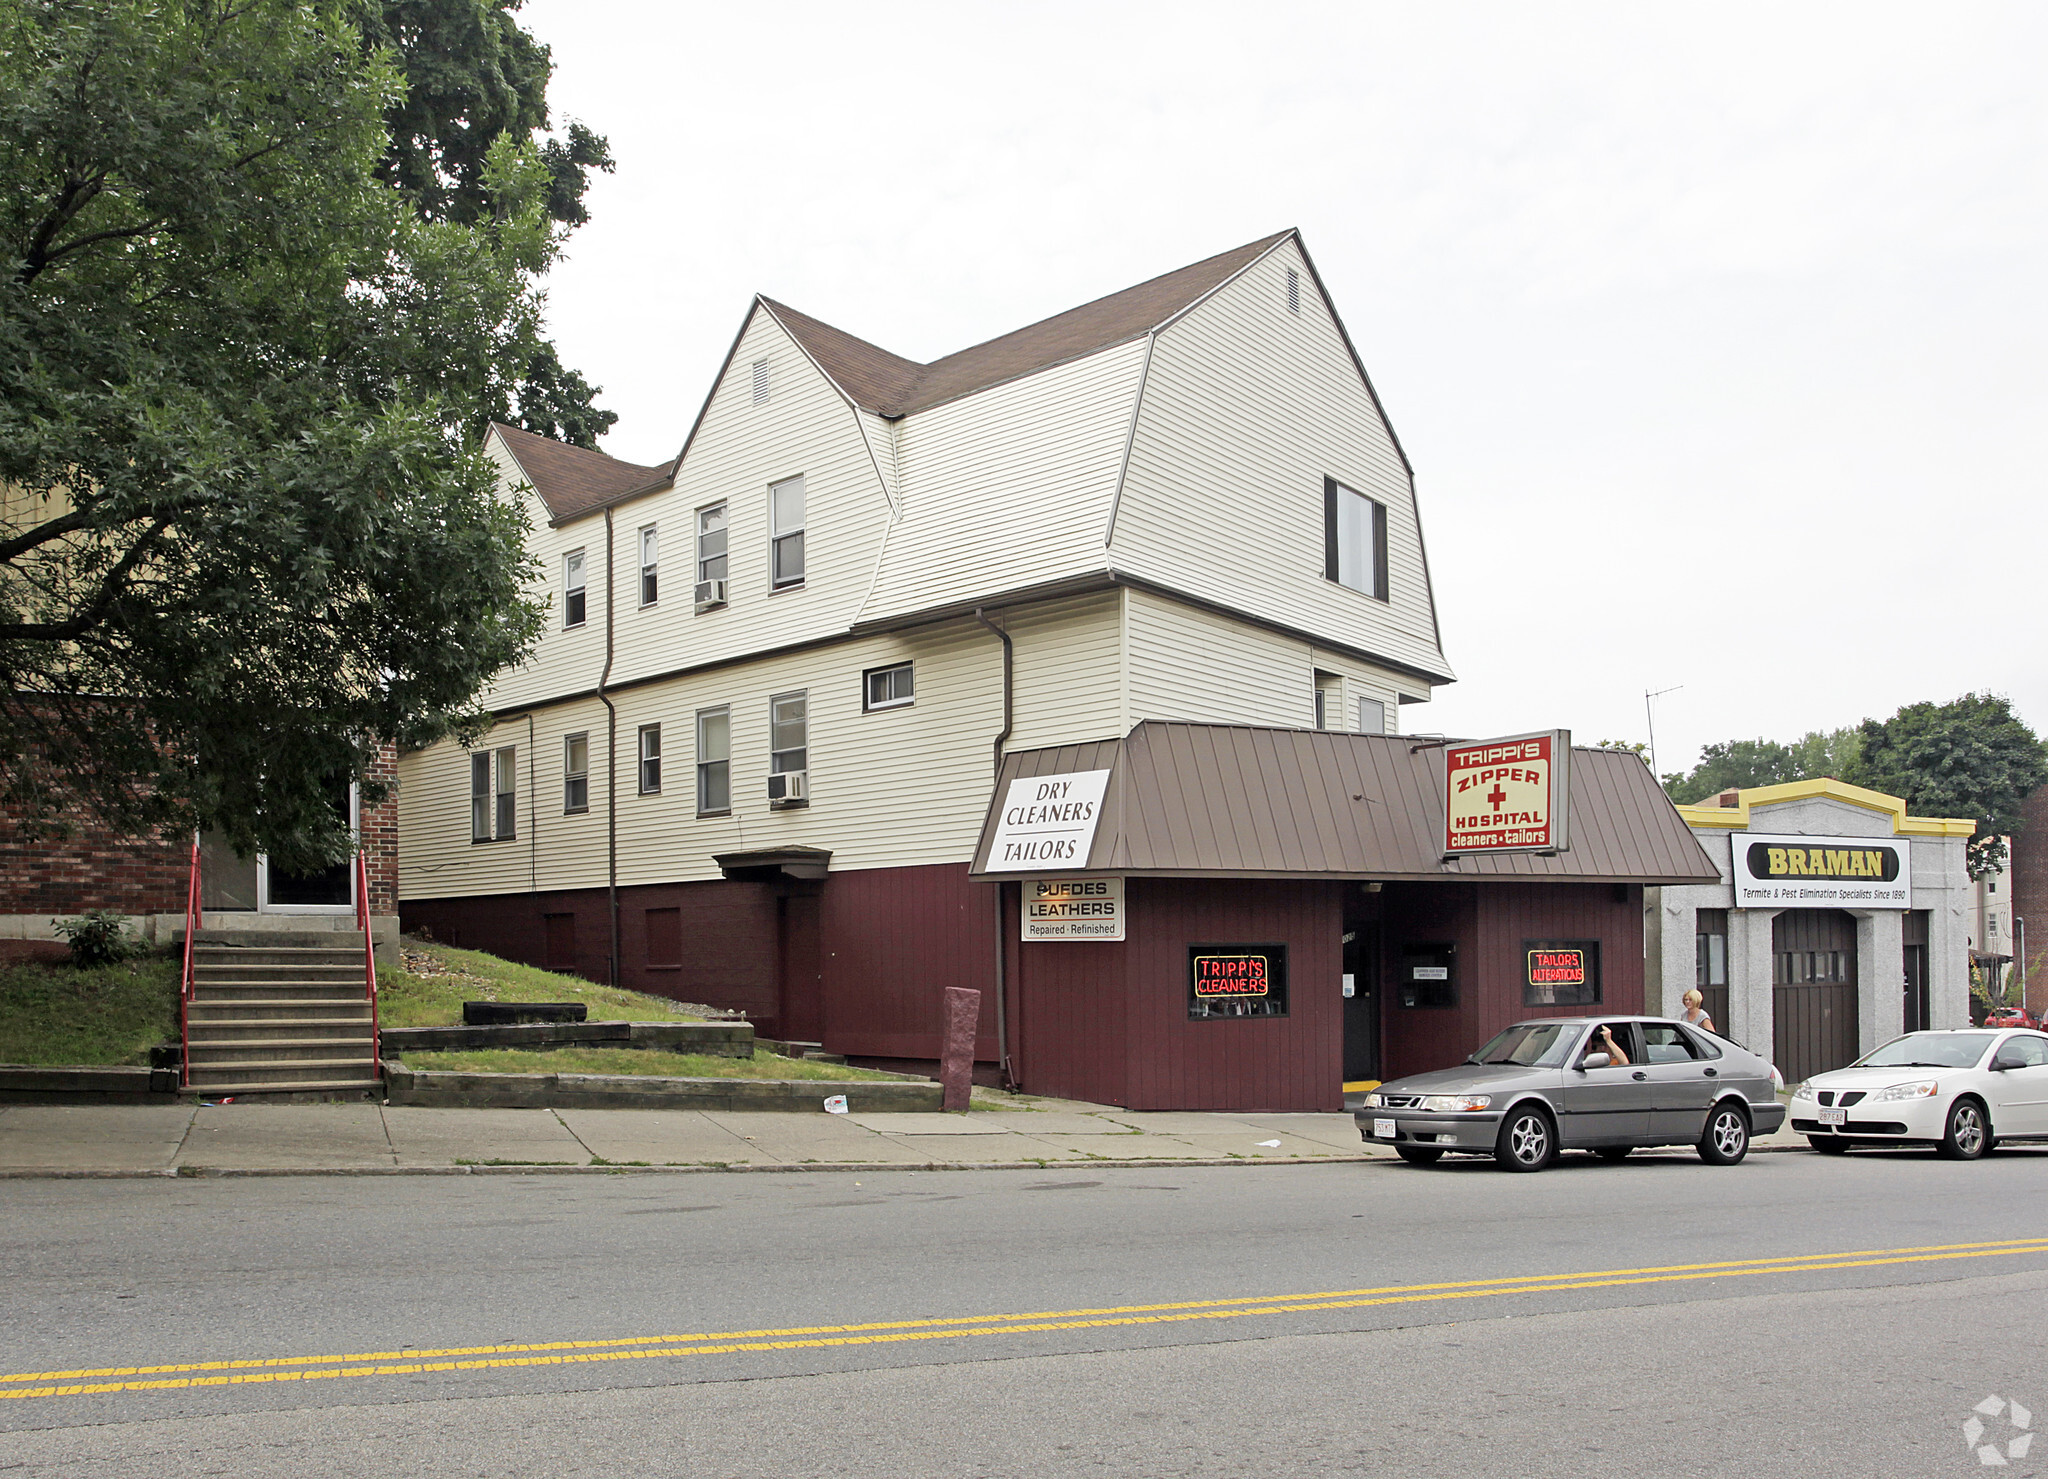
1736 818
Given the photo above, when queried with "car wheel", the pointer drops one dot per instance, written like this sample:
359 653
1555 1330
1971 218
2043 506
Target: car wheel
1528 1141
1614 1152
1726 1140
1416 1155
1828 1144
1969 1134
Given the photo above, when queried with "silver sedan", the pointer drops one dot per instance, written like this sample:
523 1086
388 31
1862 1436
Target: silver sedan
1605 1084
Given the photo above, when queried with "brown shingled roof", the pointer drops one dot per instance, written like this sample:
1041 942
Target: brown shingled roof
574 480
890 385
1229 800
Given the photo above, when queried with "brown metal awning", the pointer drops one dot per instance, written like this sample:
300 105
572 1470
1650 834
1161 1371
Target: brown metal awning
764 864
1233 801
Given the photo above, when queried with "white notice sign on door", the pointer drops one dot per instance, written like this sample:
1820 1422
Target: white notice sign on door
1073 909
1047 821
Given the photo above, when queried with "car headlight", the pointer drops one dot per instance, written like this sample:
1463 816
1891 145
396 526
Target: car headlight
1456 1103
1374 1100
1804 1091
1925 1088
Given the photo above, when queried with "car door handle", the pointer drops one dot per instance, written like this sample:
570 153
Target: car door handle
1639 1074
1713 1073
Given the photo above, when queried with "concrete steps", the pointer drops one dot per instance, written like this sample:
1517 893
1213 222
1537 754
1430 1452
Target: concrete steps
278 1017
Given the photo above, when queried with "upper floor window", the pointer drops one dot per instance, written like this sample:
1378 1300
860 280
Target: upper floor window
576 772
650 759
650 563
1329 701
714 761
887 688
494 795
1372 716
788 733
573 605
760 381
1354 540
711 543
786 533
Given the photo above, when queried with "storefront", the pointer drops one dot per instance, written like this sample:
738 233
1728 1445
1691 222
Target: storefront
1223 917
1837 922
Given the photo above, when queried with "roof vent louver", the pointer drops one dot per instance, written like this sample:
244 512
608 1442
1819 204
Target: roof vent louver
1293 291
760 381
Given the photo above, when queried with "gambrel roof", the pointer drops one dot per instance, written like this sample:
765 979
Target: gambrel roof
574 480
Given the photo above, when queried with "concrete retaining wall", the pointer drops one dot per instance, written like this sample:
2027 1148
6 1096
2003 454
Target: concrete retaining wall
31 1084
720 1039
628 1091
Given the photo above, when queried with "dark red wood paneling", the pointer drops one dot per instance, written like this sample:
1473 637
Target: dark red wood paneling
1489 922
1070 1015
894 939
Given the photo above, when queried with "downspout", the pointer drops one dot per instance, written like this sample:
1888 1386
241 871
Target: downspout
1002 739
532 814
611 761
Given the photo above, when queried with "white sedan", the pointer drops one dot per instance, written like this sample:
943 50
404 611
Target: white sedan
1962 1090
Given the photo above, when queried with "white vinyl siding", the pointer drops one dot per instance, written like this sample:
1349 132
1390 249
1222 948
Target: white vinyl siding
1247 406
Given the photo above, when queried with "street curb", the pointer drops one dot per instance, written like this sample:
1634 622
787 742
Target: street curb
213 1173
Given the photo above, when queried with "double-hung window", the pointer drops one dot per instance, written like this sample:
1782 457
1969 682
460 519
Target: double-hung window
1354 540
786 533
714 761
650 551
887 688
494 795
788 733
576 772
711 543
574 606
650 759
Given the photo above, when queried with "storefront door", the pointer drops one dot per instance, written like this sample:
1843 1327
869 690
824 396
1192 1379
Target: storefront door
1915 1016
1813 992
1361 1004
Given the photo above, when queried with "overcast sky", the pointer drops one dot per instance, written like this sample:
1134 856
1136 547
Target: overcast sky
1716 333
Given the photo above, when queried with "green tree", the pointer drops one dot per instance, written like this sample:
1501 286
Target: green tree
248 531
472 78
1761 762
1972 757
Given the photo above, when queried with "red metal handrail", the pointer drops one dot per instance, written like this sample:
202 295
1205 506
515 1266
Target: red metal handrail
185 987
369 961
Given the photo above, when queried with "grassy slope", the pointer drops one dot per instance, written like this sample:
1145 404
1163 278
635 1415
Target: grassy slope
52 1012
409 997
632 1060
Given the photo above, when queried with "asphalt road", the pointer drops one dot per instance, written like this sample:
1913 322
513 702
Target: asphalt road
1789 1316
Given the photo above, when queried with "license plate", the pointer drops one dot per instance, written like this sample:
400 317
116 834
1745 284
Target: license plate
1383 1129
1834 1116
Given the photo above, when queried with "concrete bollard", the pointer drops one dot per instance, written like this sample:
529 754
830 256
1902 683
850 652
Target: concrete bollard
956 1063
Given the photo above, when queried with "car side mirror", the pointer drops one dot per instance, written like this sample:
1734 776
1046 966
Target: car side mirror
1594 1060
2001 1063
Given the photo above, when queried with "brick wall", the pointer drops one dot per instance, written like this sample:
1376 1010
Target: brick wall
98 869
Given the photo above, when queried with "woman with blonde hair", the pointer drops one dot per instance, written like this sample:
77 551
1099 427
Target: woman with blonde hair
1695 1015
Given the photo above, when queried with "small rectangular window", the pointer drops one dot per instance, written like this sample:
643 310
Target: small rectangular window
650 552
1354 540
1372 716
760 381
573 607
786 533
1329 701
650 759
711 542
576 772
493 794
788 733
1293 291
887 688
714 761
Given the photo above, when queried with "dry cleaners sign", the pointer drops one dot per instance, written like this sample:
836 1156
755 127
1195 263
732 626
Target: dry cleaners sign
1814 872
1073 909
1508 795
1047 822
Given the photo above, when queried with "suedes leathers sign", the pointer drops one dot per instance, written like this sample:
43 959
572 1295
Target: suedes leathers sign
1508 795
1047 821
1818 872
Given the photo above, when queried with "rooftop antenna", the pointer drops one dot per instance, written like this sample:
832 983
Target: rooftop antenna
1650 717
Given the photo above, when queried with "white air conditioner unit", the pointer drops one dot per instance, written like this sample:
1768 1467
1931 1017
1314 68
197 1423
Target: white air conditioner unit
710 594
791 788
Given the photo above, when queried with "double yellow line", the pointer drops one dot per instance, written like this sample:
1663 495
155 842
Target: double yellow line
96 1381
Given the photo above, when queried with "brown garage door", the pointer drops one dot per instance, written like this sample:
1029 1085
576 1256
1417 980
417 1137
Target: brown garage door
1813 992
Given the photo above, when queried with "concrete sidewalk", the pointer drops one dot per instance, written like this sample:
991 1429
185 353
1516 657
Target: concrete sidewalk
370 1139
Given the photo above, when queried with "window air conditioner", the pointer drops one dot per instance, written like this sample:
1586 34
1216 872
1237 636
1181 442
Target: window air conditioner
791 788
710 594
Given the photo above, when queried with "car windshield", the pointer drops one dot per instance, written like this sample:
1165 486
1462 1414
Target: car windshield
1528 1044
1929 1050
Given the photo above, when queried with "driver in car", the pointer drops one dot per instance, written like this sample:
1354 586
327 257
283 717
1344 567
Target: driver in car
1602 1041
